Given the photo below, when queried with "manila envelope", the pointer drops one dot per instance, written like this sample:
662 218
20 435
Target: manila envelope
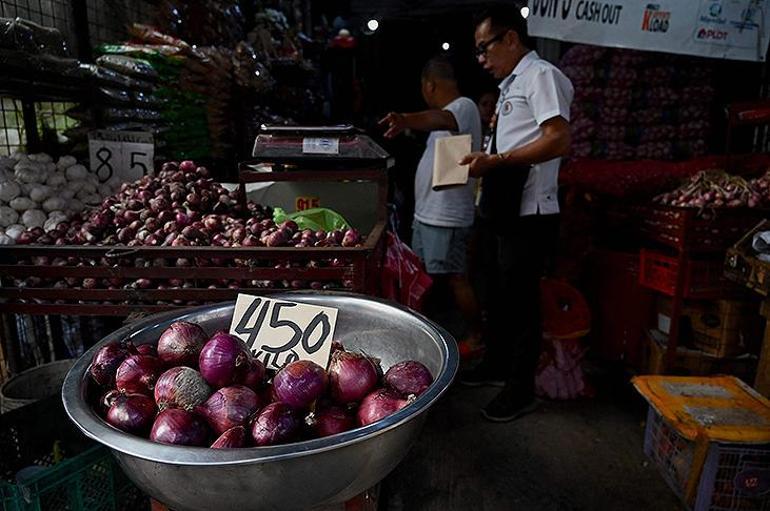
448 151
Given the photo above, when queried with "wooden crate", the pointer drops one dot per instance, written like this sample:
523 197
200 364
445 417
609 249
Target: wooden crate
742 266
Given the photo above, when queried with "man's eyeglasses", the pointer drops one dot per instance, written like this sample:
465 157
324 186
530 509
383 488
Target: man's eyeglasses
483 46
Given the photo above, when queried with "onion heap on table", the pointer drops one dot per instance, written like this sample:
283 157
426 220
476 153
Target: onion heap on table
179 207
717 189
214 393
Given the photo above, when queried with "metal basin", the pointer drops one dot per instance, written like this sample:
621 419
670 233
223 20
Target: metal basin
302 475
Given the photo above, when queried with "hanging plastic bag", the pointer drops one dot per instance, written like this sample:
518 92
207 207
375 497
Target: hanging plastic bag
316 219
404 278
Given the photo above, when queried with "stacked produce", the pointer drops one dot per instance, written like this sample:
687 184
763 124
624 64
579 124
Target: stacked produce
38 193
638 105
194 390
717 189
181 206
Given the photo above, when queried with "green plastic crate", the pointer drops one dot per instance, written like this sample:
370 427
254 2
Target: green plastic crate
68 472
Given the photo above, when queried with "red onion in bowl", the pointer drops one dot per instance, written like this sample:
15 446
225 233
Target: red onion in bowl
132 413
331 420
181 344
107 360
233 438
408 377
300 383
224 360
181 387
255 375
179 427
277 423
228 407
147 349
378 405
351 376
137 374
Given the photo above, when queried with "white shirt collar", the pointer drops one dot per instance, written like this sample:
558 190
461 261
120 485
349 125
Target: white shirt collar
522 66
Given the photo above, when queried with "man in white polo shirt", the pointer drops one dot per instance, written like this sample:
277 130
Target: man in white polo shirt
519 199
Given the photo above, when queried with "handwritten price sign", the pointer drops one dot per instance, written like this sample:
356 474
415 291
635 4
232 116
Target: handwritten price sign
125 154
280 331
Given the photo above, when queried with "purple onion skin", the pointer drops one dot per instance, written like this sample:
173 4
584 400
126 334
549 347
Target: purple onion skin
181 343
408 377
137 374
179 427
378 405
147 349
132 413
254 378
351 376
224 360
300 383
332 420
228 407
181 387
107 360
277 423
233 438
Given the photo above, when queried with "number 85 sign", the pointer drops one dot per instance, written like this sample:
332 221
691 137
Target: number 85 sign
127 155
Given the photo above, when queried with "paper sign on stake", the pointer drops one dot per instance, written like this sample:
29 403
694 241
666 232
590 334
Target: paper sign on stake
281 331
127 155
446 171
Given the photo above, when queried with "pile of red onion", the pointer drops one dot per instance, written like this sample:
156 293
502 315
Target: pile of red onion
198 390
181 206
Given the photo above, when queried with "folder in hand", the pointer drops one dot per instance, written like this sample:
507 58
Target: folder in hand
446 171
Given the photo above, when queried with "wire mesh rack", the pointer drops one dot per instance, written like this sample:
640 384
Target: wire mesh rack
49 13
108 20
12 136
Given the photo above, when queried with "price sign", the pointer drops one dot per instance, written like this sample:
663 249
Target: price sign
321 145
303 203
127 155
280 331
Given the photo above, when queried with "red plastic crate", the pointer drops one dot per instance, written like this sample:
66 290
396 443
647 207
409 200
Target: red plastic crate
694 230
703 279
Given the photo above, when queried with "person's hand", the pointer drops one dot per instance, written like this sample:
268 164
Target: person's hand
395 123
479 163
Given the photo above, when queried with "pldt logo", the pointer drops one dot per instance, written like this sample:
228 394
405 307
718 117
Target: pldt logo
655 20
711 34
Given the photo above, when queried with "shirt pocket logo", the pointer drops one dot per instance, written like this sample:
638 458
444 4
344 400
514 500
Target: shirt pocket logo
507 108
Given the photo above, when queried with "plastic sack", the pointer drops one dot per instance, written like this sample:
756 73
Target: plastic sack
317 219
128 66
559 373
404 278
27 36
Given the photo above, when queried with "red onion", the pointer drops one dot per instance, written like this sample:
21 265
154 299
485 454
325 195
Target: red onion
233 438
228 407
255 375
181 344
351 376
224 360
378 405
351 238
132 413
179 427
332 420
277 423
181 387
107 360
187 166
300 383
147 349
409 377
137 374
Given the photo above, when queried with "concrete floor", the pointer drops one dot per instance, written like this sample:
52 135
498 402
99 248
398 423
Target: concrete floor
578 455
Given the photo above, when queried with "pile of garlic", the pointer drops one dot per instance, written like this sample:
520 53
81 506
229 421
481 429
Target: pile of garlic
35 191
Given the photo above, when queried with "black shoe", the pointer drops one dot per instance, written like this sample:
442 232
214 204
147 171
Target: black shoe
508 406
480 376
